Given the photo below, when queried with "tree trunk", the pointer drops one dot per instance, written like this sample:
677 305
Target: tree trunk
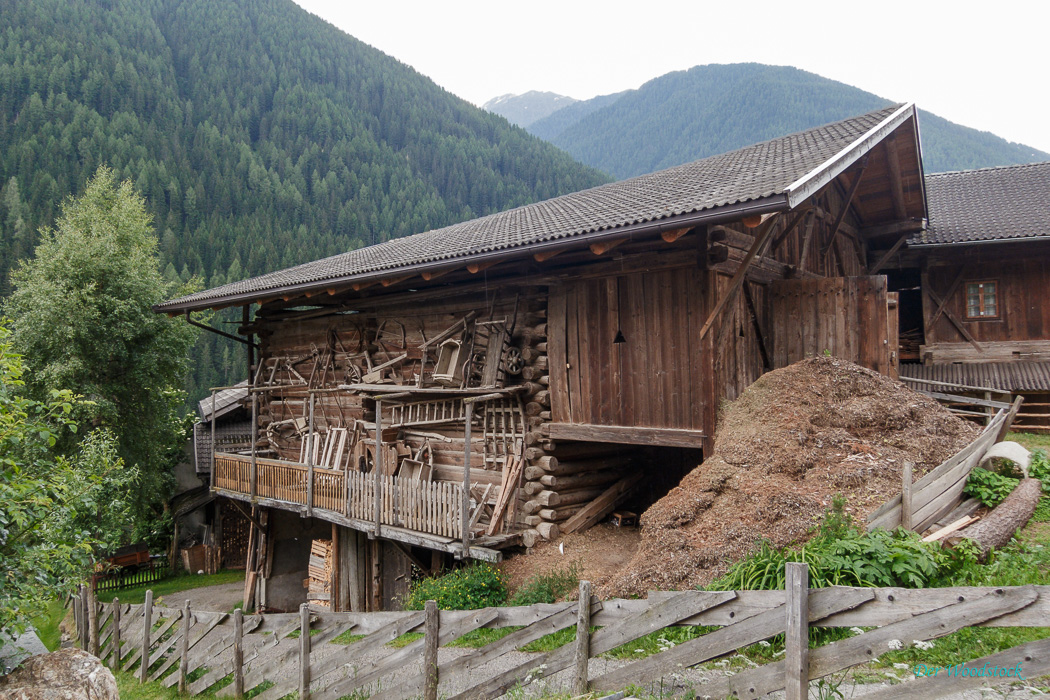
998 527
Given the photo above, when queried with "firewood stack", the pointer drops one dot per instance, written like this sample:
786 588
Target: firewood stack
320 568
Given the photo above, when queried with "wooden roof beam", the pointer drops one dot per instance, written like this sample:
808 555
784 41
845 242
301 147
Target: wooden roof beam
674 235
893 163
874 269
475 268
845 207
603 247
386 282
545 255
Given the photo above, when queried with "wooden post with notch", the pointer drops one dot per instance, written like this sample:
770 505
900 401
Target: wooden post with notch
238 653
432 629
304 652
796 632
115 661
184 648
147 620
906 509
583 639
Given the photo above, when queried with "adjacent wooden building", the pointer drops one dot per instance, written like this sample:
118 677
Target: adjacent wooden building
495 382
976 310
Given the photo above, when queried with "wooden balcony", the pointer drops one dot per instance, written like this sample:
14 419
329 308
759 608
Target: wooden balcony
422 513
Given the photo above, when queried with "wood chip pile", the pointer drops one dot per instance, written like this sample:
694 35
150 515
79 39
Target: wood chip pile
784 449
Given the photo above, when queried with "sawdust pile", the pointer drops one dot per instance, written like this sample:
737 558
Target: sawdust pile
791 442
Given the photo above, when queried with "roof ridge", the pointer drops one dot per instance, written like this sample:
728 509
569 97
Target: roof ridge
1015 166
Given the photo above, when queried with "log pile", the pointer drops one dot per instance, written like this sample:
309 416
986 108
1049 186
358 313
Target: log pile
558 488
320 568
997 528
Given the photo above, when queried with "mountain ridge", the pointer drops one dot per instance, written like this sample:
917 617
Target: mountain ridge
686 115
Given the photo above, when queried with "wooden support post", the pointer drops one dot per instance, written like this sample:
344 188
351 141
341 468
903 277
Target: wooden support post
906 509
377 468
92 620
432 621
304 652
377 577
583 639
211 462
468 410
310 440
238 653
255 440
80 615
1010 415
115 635
147 620
184 648
796 632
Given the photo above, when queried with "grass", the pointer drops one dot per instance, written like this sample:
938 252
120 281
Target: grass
171 585
1031 441
130 689
47 625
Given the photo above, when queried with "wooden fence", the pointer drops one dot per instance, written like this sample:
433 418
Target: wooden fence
975 402
238 653
433 507
935 496
128 576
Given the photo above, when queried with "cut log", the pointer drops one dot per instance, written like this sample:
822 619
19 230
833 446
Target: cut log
998 527
532 507
548 531
579 481
551 499
556 515
529 538
597 509
547 463
533 408
576 451
578 466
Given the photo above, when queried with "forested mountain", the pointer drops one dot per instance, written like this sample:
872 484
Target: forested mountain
527 107
706 110
261 136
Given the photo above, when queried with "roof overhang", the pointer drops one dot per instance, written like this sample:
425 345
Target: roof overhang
810 183
723 214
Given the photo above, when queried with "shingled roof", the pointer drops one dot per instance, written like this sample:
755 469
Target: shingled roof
770 176
991 204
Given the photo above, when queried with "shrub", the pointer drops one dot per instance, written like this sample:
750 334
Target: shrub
472 587
842 554
547 588
992 488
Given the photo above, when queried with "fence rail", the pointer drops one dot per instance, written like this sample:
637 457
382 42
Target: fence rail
197 650
126 577
432 507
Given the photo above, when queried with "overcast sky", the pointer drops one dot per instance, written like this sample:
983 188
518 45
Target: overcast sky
979 65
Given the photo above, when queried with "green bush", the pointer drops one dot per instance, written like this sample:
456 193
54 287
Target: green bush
547 588
842 554
992 488
469 588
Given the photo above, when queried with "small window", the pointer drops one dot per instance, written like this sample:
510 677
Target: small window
982 300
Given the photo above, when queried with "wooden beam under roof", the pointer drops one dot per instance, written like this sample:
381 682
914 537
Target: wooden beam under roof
893 163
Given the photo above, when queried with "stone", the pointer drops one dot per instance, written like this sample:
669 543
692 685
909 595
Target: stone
66 674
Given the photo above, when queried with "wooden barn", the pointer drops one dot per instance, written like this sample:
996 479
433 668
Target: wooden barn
975 292
495 382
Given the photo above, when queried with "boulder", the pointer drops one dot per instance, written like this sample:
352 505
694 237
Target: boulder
66 674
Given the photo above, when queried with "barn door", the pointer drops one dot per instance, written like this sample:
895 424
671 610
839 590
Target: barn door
845 317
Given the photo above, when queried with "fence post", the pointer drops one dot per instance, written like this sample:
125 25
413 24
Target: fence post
147 619
116 633
796 632
78 615
432 622
311 440
906 511
583 638
377 467
92 621
304 652
184 648
464 520
238 653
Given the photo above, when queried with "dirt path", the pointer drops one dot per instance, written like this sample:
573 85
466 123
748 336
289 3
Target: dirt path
222 597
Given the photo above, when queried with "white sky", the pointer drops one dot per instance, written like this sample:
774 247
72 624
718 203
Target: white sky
976 64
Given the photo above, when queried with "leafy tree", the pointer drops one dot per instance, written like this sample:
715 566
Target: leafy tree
83 320
56 511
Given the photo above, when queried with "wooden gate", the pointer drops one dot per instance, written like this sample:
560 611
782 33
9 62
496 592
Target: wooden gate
846 317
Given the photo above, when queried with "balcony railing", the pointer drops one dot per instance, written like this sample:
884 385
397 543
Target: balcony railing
433 507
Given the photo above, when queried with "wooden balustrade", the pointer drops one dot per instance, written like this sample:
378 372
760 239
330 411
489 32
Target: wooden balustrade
433 507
